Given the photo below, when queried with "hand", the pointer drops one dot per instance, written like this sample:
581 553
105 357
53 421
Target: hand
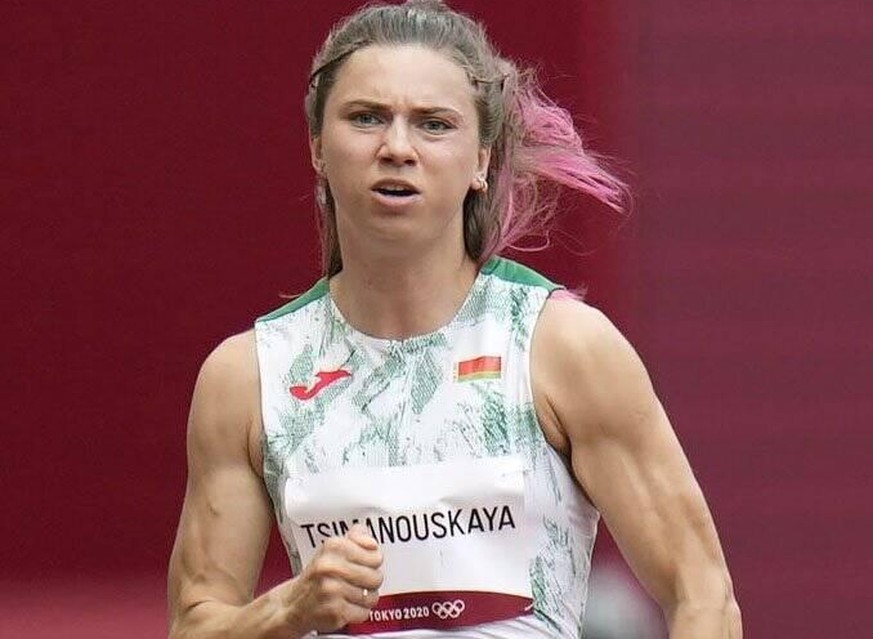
339 586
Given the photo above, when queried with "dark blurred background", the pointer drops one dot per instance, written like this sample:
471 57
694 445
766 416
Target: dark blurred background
156 197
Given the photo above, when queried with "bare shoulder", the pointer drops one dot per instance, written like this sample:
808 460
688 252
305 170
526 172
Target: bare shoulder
233 361
586 375
567 322
225 411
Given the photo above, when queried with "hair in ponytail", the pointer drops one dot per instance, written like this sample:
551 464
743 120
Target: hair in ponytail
534 144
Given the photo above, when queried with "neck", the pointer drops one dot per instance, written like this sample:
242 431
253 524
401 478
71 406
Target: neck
395 299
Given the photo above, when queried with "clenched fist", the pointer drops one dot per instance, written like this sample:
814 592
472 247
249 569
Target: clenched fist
338 587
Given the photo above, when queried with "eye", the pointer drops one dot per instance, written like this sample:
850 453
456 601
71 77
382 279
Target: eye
365 119
433 125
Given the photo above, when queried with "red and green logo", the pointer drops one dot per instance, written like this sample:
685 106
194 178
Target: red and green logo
484 367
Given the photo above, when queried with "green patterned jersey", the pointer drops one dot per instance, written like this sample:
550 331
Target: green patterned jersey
335 398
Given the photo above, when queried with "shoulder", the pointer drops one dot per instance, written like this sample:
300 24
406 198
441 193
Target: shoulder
232 365
570 334
225 409
586 375
572 322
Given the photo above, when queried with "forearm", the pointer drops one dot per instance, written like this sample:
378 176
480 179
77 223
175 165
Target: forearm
262 618
690 620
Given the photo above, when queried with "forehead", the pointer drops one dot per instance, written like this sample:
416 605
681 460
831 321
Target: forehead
403 75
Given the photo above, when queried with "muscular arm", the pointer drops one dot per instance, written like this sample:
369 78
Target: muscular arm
226 520
597 405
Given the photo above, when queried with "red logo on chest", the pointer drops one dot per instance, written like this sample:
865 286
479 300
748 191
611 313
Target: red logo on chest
325 378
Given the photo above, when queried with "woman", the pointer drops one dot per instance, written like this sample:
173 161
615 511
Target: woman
438 429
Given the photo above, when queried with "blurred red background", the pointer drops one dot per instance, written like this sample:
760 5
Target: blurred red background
157 197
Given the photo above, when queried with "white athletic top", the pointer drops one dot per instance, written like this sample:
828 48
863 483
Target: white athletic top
335 399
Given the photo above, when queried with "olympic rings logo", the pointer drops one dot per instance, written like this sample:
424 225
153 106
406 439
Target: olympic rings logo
448 609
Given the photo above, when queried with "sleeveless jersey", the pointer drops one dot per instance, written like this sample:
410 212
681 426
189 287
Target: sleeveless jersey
462 392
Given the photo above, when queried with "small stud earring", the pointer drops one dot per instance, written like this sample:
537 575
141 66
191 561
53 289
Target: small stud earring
482 183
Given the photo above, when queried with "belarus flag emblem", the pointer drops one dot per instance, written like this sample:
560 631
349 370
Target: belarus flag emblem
484 367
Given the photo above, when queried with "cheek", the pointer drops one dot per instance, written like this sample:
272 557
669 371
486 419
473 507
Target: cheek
345 164
461 160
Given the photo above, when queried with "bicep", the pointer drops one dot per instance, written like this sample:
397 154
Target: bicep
226 517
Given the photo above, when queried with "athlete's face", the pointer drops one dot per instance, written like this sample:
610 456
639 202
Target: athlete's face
399 147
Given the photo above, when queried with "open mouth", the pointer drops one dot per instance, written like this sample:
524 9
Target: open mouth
398 190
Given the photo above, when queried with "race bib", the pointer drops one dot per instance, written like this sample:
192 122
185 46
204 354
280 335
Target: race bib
453 535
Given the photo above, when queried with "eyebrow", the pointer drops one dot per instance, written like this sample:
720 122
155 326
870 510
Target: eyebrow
380 107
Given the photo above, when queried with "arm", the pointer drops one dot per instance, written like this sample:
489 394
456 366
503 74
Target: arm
597 404
226 520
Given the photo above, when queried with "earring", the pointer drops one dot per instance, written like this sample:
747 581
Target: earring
482 183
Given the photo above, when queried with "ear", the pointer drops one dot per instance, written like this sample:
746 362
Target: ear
484 161
315 155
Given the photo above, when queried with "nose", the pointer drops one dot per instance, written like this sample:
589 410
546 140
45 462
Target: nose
397 144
